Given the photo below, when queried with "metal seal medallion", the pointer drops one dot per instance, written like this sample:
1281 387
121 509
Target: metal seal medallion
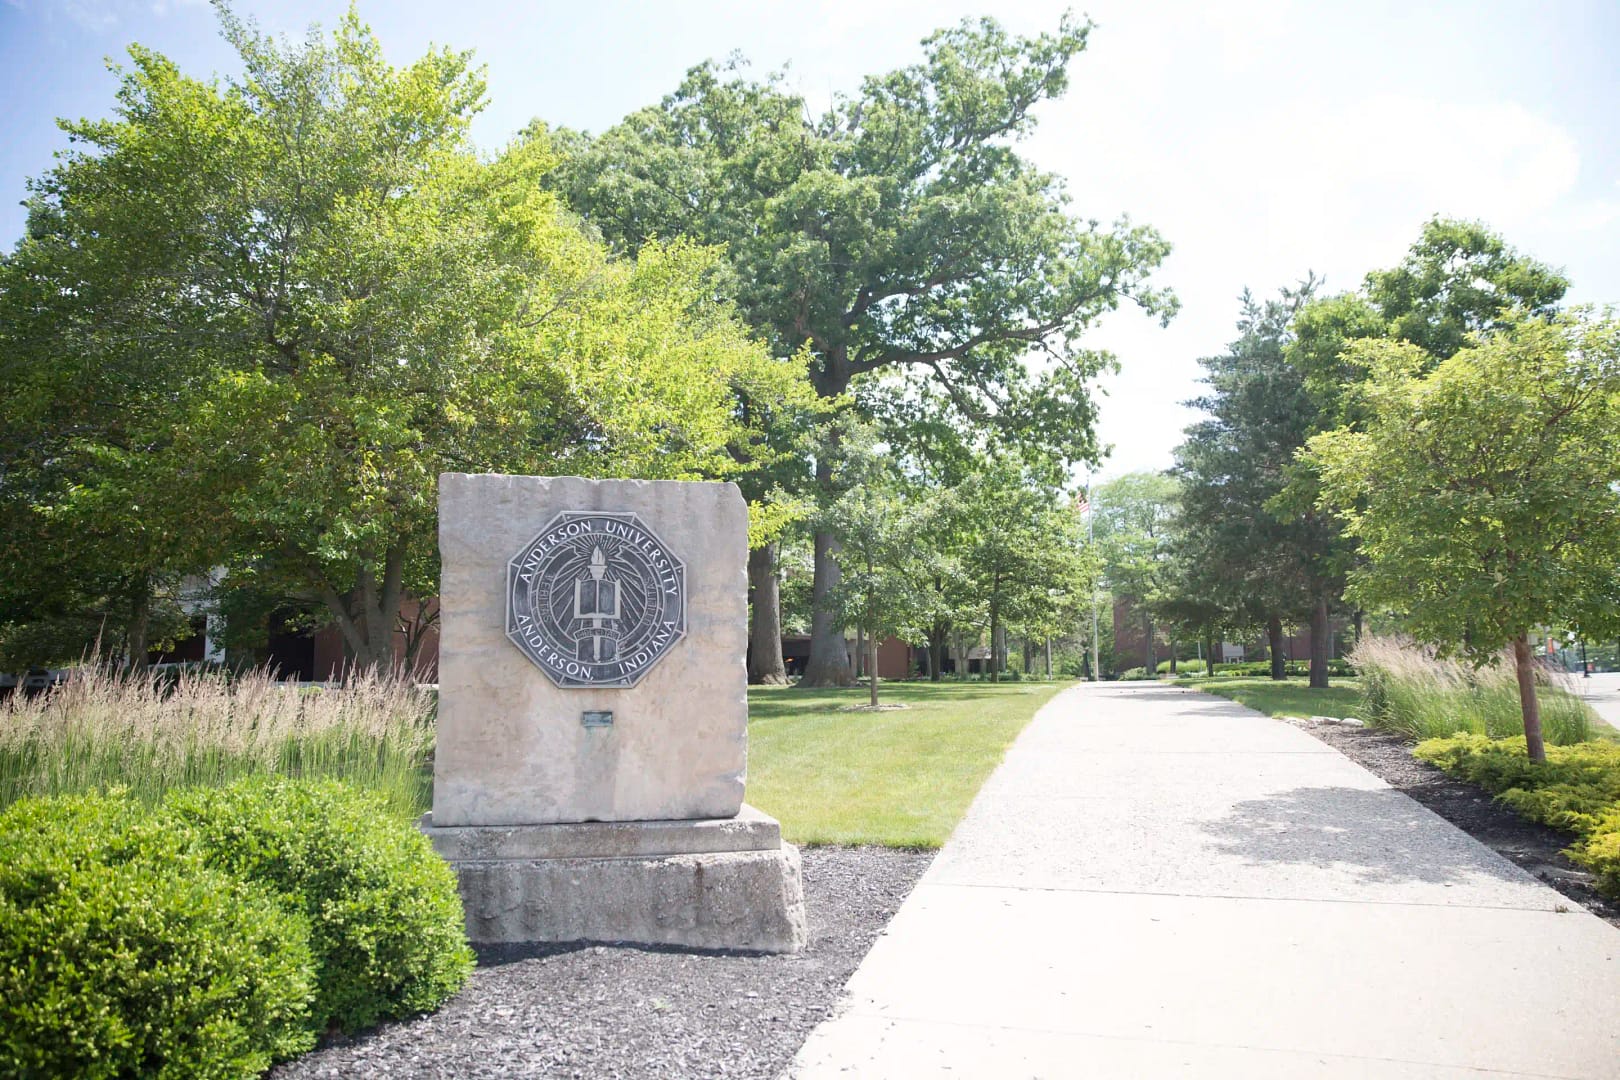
595 600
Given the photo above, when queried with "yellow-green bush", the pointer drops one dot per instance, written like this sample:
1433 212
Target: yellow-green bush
1577 789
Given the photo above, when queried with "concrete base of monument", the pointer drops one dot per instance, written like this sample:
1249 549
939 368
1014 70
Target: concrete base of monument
726 883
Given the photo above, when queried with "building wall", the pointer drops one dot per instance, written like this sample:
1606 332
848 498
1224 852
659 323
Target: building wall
894 659
329 656
1130 638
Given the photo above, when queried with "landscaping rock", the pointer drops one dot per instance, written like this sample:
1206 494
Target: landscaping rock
583 1010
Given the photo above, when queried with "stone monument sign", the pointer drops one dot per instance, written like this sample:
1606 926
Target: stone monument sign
593 716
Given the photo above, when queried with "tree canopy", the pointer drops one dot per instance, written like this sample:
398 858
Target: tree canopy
1485 489
301 295
899 232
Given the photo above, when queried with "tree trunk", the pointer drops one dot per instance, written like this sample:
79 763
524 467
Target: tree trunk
368 614
1150 654
1209 653
1048 658
1321 639
138 631
1360 616
997 641
415 631
1279 670
1029 656
871 665
1524 668
1173 670
938 642
828 664
765 664
860 652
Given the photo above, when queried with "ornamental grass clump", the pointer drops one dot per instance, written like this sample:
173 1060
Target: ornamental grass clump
148 734
1408 688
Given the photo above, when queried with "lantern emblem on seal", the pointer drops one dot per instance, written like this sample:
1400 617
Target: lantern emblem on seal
595 600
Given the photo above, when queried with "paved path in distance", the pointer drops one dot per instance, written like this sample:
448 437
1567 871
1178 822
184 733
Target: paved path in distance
1602 692
1160 883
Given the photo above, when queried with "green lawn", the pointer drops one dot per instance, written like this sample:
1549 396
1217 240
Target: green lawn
1289 698
900 778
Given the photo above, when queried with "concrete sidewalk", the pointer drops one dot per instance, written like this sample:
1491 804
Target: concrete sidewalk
1160 883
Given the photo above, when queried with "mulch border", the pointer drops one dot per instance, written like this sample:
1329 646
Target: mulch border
1537 849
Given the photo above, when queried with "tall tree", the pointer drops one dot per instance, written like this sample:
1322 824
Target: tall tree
879 589
1134 527
1486 493
1023 557
1236 551
1457 279
338 299
898 231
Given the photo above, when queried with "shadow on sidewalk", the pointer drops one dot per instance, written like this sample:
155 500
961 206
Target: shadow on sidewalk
1382 836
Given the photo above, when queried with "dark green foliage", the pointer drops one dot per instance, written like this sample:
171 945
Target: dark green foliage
1576 789
1246 552
1458 279
901 238
384 915
122 955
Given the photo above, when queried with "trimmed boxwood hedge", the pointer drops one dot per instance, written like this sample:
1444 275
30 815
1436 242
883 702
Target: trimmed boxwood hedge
217 934
385 918
121 954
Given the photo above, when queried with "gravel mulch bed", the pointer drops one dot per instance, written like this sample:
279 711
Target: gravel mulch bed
1534 847
627 1011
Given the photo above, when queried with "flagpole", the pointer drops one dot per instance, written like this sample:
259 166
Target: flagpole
1091 516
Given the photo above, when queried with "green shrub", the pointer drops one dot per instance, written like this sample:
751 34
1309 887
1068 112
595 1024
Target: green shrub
1134 674
1408 689
385 919
122 955
1183 667
1577 789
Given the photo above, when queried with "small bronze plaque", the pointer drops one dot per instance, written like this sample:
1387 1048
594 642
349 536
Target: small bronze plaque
597 718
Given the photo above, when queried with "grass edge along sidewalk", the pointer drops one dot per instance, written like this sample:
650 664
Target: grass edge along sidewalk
896 777
1291 697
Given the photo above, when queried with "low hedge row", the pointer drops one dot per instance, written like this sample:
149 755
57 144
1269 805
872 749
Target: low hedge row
219 933
1577 789
1338 669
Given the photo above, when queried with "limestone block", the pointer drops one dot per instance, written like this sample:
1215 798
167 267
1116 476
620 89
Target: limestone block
742 900
750 830
513 747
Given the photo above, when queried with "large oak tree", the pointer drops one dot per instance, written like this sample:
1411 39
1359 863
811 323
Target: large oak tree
899 231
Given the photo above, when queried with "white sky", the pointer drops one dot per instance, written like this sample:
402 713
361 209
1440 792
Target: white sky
1263 139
